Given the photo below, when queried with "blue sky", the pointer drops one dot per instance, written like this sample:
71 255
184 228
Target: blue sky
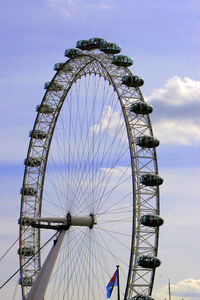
162 38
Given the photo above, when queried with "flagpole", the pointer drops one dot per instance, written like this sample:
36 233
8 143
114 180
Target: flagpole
118 283
169 289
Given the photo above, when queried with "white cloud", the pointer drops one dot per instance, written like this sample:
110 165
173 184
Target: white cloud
110 119
184 132
177 92
187 289
69 8
177 104
112 122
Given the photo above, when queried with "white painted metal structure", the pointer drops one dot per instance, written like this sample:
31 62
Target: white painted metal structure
40 284
86 132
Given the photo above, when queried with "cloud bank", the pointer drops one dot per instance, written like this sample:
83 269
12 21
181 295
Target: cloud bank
177 92
177 107
184 132
187 288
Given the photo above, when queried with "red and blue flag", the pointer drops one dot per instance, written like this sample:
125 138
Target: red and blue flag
114 281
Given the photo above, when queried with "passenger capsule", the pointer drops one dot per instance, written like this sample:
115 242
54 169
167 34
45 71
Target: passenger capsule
53 86
47 85
140 297
151 180
32 162
147 141
26 281
110 48
45 109
26 251
57 66
37 134
83 45
72 52
67 68
151 220
28 191
149 262
141 108
122 61
132 81
95 43
24 221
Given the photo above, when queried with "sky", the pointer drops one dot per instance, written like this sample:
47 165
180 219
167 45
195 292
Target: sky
163 40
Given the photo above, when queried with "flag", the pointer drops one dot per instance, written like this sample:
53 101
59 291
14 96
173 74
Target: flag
114 281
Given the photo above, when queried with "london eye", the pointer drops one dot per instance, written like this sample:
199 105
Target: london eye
91 179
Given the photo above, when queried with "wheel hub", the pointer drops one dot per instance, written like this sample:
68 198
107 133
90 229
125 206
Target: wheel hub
63 223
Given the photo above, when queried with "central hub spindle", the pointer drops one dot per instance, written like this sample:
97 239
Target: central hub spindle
63 223
81 220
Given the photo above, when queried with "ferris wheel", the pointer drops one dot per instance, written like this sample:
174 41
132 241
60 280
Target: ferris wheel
91 178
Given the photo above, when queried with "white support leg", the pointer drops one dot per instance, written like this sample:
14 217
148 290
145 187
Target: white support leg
38 289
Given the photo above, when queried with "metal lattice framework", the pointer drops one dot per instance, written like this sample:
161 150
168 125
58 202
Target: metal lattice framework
143 240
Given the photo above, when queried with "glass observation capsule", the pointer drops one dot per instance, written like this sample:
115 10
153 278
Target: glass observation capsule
45 109
23 221
26 281
37 134
110 48
132 81
57 66
140 297
141 108
122 60
52 86
72 52
83 45
150 262
147 141
151 180
95 43
151 220
28 191
32 162
26 251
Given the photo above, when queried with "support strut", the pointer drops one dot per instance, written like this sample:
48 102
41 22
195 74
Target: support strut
39 286
38 289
